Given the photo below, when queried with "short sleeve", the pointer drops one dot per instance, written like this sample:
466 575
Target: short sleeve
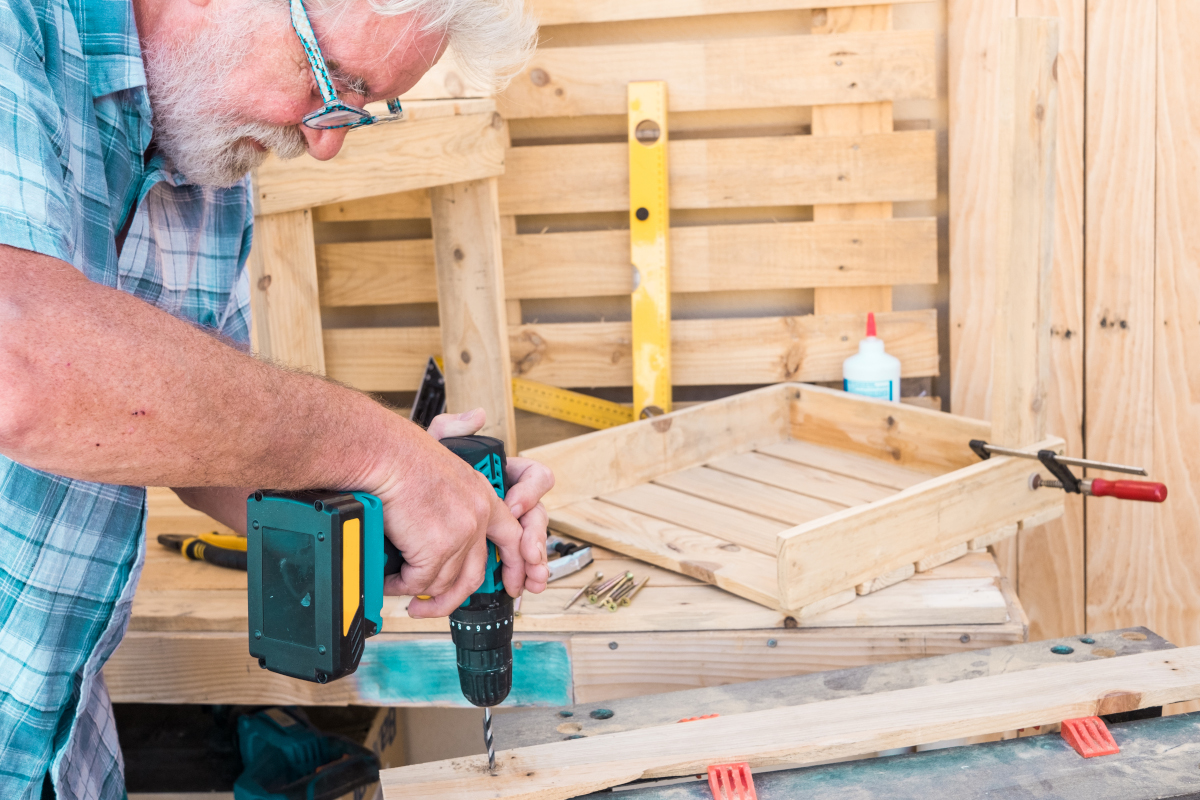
35 141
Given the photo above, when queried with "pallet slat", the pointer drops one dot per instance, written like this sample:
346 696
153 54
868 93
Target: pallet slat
761 72
736 526
867 469
801 478
727 173
708 258
705 351
738 492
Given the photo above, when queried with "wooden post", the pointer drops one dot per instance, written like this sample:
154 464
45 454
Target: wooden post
840 120
473 317
283 291
1027 115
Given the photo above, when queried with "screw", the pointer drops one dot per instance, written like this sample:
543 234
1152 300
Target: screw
642 214
771 642
320 537
321 649
966 637
612 645
258 634
254 524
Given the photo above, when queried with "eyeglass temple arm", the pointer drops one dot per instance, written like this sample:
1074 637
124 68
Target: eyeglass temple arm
303 28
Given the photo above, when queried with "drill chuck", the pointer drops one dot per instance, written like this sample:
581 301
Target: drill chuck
482 634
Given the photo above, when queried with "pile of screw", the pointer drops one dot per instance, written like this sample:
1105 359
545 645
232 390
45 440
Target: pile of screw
610 594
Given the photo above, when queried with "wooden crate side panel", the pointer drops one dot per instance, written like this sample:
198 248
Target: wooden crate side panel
707 258
386 160
828 555
595 354
562 12
920 439
727 173
760 72
613 459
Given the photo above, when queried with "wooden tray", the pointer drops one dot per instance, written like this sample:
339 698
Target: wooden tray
793 496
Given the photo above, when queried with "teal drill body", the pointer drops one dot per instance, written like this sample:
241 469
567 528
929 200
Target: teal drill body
316 561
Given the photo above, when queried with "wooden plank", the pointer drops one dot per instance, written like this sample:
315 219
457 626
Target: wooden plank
1120 301
838 462
380 359
848 548
753 350
377 273
540 726
801 478
944 557
401 205
717 74
917 438
728 173
283 291
1025 215
669 662
562 12
865 117
816 732
385 160
705 258
731 524
1154 585
973 66
887 579
1050 558
606 461
719 562
472 316
738 492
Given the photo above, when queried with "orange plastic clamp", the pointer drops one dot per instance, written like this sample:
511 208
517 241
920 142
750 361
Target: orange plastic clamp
693 719
731 782
1089 736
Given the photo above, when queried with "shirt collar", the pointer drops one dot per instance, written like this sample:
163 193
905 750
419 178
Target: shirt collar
109 40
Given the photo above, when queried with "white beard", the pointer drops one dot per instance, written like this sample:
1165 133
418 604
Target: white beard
193 124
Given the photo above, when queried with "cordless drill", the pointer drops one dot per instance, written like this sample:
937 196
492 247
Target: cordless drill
316 562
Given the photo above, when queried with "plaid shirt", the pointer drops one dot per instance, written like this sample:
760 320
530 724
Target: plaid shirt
74 126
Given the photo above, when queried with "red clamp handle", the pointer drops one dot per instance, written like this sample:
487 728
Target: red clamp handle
1145 491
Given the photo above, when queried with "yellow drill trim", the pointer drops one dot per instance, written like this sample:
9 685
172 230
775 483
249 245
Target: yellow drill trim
550 401
649 224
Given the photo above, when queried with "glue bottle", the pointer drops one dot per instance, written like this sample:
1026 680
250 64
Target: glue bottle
872 372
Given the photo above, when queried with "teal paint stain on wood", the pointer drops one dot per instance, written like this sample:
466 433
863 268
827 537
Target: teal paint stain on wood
424 672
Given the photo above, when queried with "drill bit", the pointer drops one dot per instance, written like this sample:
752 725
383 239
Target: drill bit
487 739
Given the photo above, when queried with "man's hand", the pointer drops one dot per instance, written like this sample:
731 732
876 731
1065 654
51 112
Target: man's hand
449 566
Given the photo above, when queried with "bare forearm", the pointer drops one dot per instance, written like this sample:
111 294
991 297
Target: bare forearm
101 386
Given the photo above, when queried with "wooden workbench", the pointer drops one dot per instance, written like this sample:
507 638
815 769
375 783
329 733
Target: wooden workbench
187 639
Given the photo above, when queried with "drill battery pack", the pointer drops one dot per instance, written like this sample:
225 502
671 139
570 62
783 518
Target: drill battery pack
315 562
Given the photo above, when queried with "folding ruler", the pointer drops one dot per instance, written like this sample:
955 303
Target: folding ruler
649 222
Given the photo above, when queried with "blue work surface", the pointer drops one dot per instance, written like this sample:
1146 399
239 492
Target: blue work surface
424 672
1159 758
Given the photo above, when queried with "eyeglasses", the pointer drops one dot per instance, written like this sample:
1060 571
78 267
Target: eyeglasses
335 113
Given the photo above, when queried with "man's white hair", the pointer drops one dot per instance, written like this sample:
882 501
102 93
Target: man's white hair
492 40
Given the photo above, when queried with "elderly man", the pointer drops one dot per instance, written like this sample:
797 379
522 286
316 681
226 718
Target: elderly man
129 127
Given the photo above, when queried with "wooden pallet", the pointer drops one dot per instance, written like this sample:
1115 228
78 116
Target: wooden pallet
794 496
784 165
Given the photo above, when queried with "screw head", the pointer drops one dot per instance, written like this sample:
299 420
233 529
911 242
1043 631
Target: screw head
966 637
612 645
254 524
321 649
642 214
320 537
258 634
771 642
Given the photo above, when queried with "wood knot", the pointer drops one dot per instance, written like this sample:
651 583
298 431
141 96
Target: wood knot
1040 112
497 120
661 424
264 283
465 355
539 76
458 254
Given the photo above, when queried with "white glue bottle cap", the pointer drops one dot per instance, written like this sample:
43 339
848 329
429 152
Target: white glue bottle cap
872 372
